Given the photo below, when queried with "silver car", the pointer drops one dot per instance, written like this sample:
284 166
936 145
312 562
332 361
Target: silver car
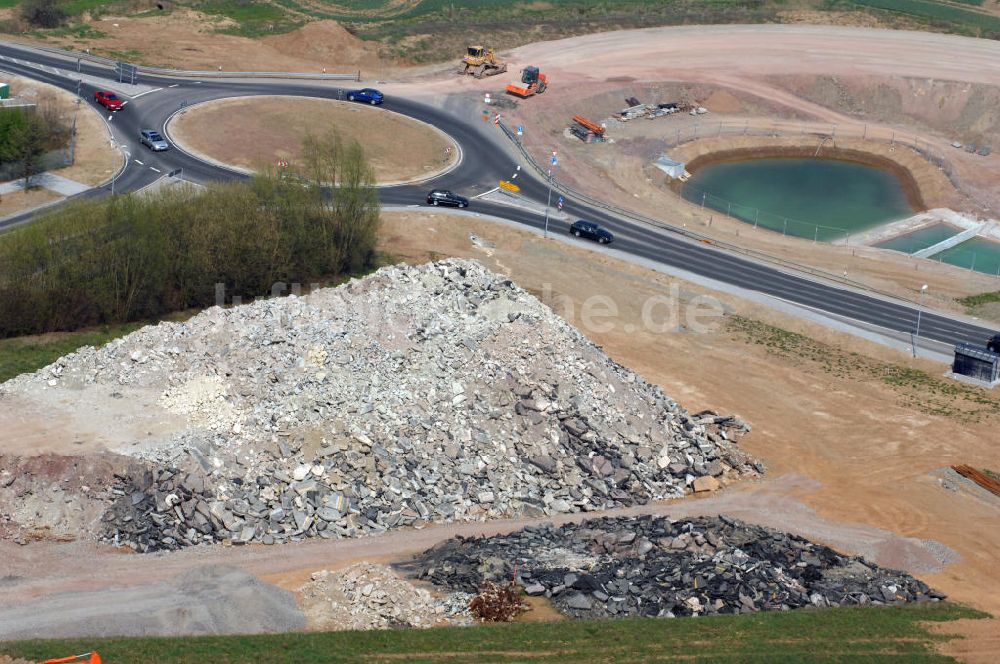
152 140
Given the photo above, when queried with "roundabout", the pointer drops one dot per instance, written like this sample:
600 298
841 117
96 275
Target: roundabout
256 132
487 157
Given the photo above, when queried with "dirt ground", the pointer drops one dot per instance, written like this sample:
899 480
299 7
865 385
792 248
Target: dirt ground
279 125
22 200
187 39
849 455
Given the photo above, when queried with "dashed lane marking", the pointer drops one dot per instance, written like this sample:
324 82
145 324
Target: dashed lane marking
154 169
139 162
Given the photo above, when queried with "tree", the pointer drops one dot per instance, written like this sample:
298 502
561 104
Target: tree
23 141
27 144
43 13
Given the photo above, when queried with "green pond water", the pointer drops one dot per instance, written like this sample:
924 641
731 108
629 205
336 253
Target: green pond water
920 239
976 254
821 199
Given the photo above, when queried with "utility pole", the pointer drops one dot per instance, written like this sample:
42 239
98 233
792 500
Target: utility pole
920 310
548 201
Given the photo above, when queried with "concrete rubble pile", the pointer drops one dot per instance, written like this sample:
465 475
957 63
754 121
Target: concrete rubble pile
652 566
420 394
370 596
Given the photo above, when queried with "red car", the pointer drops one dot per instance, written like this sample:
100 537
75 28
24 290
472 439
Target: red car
108 100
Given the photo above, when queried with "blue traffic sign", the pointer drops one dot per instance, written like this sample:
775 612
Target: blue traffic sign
520 130
555 160
560 203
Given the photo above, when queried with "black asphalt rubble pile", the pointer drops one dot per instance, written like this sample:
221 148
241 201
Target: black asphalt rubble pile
422 394
652 566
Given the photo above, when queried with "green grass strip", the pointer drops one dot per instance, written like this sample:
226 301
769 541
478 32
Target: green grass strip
870 634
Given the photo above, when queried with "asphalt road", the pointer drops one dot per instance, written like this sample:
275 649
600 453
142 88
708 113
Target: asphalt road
484 163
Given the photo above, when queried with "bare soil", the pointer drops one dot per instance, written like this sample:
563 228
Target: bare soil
17 201
187 39
275 128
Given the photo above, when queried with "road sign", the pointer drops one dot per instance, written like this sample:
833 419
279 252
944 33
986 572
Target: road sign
555 160
520 130
509 186
496 119
560 203
487 99
126 73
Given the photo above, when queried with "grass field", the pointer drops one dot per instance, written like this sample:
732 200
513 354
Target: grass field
941 15
872 634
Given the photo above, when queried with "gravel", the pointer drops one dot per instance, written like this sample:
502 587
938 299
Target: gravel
206 600
434 393
370 596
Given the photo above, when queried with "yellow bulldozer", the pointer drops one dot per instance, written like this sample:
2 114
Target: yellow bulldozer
481 62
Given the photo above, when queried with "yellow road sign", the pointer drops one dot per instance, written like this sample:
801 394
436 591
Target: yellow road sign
509 186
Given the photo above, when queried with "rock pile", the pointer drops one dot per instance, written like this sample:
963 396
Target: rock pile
419 394
652 566
368 596
165 509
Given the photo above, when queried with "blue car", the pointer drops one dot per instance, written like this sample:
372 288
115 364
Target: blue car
366 95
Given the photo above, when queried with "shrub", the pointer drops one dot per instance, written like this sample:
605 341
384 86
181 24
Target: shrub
139 256
43 13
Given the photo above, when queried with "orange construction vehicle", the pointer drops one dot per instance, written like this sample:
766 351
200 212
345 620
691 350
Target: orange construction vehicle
85 658
532 82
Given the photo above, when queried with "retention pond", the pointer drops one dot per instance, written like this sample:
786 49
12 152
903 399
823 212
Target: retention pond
819 199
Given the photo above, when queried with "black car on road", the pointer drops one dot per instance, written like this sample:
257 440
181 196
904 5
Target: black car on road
445 197
591 231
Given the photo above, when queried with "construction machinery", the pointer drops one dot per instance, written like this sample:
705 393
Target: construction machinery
85 658
586 130
481 62
532 82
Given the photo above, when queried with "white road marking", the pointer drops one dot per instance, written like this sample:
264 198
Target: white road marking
146 93
154 169
139 162
487 192
174 85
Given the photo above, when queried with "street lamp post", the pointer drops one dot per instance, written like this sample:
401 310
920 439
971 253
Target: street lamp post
920 310
548 202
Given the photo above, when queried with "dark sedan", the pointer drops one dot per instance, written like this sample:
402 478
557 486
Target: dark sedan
366 96
591 231
445 197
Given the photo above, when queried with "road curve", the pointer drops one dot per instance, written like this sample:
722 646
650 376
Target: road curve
483 165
